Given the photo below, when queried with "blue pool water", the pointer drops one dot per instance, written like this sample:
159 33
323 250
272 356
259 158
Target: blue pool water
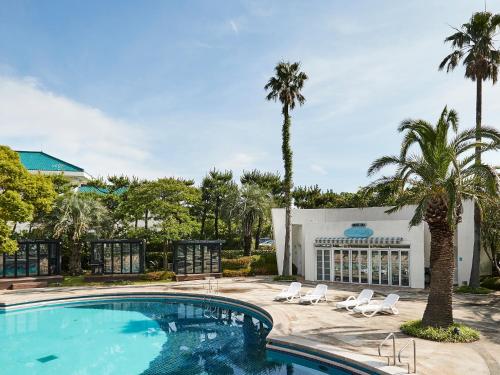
142 337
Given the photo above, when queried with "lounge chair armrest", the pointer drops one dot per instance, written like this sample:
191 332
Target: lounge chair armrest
350 298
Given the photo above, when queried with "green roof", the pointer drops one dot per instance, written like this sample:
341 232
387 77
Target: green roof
99 190
40 161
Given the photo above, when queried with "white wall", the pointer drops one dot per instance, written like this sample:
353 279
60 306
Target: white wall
333 222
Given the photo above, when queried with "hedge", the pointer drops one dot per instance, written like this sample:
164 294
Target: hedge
491 283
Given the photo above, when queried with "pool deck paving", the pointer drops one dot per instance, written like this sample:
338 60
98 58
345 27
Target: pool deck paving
324 328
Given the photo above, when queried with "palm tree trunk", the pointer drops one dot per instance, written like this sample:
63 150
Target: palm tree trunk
439 312
476 254
287 187
146 214
257 233
247 235
75 267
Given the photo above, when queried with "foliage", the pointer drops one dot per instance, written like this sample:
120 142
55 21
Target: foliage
454 333
74 217
490 232
253 203
22 196
264 264
471 290
242 272
473 44
491 283
236 263
437 179
159 276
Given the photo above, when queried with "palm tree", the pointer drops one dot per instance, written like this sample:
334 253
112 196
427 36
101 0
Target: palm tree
437 179
253 203
268 181
74 215
473 44
286 86
215 186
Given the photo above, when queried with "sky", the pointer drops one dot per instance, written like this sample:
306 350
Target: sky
175 88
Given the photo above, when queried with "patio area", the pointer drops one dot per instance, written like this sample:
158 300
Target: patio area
324 328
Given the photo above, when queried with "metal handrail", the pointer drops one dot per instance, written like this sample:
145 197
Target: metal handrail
393 348
414 355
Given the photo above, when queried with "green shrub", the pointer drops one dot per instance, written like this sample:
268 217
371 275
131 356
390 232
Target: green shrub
455 333
491 283
159 276
236 263
237 273
285 278
264 264
468 289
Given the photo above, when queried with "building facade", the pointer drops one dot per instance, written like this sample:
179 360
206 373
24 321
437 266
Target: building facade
367 246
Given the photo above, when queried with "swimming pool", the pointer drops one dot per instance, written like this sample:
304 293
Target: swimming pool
143 336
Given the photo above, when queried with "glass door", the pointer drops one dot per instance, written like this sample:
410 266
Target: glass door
405 268
323 264
394 267
355 266
337 265
346 269
363 266
384 267
375 257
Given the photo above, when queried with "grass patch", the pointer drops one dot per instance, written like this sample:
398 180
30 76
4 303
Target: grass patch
455 333
285 278
491 283
471 290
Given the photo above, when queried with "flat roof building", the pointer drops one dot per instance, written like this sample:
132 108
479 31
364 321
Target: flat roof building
367 246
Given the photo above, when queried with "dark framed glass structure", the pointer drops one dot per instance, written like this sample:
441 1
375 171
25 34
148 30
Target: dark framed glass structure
197 256
117 256
34 258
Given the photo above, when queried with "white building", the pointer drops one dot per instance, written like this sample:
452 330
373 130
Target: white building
367 245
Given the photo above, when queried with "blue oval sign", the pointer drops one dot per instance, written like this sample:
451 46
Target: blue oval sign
358 230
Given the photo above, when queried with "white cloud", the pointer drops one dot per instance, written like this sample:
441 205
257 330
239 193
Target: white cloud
234 26
32 117
239 161
318 169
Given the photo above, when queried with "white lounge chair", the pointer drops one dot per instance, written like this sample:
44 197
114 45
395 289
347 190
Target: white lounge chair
388 305
352 301
293 291
316 295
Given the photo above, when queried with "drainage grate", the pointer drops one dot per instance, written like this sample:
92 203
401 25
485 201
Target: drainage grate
47 358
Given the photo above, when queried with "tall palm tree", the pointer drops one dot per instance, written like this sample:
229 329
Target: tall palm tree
474 45
286 86
437 177
74 215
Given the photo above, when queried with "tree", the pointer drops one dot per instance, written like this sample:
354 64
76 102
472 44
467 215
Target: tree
268 181
253 203
74 216
491 233
286 86
22 196
215 187
473 44
437 178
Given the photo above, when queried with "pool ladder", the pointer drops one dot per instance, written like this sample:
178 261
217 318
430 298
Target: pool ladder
392 336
